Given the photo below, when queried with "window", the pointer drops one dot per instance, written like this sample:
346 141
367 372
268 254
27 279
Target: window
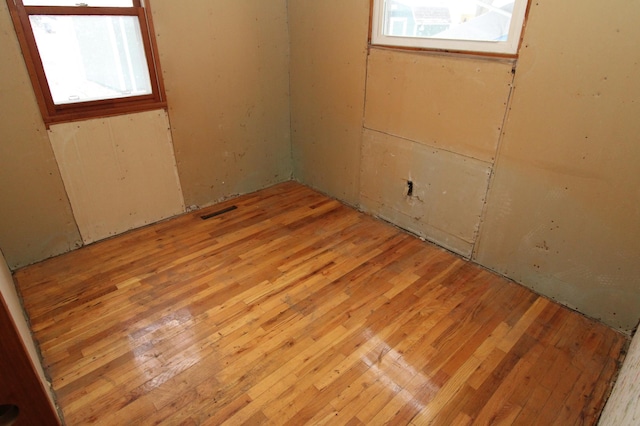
88 60
490 26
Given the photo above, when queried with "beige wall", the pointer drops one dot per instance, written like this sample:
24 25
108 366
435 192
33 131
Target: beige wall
226 71
447 195
561 214
445 114
328 57
454 103
119 172
35 215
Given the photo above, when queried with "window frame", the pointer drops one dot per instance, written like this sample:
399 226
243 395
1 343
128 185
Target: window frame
507 49
52 113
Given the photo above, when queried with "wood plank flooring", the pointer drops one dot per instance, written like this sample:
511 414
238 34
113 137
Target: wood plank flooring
295 309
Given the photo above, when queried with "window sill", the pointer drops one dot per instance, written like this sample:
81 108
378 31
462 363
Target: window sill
102 112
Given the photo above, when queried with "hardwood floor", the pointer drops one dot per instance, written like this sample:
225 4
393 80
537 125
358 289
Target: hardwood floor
295 309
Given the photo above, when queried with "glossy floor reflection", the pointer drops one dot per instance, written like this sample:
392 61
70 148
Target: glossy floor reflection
296 309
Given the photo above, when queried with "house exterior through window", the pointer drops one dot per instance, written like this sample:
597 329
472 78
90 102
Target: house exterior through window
479 26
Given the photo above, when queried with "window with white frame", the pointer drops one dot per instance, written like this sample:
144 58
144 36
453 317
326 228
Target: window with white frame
489 26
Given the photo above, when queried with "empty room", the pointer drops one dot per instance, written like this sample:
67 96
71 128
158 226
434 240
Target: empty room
359 212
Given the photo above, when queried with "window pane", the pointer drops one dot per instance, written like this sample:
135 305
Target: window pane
94 3
482 20
89 58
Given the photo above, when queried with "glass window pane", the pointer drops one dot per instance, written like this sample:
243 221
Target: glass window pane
94 3
481 20
89 58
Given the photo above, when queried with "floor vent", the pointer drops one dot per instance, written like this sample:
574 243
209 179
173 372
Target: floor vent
218 213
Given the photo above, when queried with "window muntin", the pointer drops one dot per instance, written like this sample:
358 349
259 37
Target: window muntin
492 26
89 61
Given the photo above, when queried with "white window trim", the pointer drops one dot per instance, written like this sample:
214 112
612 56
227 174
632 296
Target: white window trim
508 47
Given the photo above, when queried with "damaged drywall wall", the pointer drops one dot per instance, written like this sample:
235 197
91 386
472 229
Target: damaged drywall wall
435 120
434 193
